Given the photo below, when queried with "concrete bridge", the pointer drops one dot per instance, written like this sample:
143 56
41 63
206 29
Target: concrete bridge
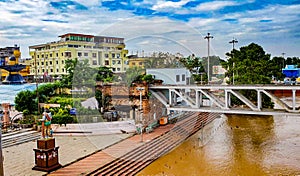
217 98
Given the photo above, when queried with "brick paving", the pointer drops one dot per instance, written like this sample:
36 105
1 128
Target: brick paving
108 154
19 159
78 152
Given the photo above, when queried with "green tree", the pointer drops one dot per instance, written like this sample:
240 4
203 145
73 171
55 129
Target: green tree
70 65
84 75
104 74
26 101
276 66
194 65
251 65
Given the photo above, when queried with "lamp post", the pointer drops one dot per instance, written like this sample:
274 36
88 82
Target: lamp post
36 83
102 73
233 41
140 89
208 37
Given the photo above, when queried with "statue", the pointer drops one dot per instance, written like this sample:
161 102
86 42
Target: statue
46 122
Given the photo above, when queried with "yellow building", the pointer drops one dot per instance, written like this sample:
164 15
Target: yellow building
50 58
136 61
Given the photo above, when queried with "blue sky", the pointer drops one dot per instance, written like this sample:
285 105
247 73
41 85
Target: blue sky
176 26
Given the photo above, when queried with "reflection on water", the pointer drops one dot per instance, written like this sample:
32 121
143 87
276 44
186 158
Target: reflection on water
8 92
242 145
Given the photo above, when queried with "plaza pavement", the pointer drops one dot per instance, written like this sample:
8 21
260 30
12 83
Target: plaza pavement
75 141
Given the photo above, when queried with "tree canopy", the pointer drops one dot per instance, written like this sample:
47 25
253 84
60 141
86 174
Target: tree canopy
249 65
194 65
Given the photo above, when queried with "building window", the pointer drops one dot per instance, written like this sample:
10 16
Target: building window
94 55
113 69
113 62
106 62
106 55
177 78
51 70
86 54
56 70
79 54
140 63
133 63
51 55
118 69
56 54
68 54
119 62
183 77
113 55
57 62
62 62
94 62
118 55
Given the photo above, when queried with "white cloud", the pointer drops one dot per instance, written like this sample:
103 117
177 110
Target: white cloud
215 5
169 4
89 3
151 33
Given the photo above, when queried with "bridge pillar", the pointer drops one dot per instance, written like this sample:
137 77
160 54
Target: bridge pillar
226 99
294 100
199 99
259 102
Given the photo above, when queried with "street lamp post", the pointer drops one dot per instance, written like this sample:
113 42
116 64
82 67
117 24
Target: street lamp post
140 89
36 83
233 41
208 37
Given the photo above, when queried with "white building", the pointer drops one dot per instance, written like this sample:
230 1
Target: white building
174 76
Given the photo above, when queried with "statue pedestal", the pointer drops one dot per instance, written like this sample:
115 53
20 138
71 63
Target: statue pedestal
46 155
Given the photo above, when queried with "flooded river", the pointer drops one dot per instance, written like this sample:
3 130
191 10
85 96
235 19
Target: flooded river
236 145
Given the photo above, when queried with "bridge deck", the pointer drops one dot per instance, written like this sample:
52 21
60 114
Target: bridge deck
218 98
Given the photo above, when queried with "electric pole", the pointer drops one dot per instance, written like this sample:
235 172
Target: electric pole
233 41
208 37
283 60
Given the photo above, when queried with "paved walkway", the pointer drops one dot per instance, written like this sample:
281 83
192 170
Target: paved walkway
78 152
73 145
106 155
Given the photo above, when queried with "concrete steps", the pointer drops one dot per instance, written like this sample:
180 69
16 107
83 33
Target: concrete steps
19 137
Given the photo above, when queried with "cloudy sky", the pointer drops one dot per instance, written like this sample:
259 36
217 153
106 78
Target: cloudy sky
157 25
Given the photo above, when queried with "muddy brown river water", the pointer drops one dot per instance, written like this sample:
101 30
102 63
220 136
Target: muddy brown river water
236 145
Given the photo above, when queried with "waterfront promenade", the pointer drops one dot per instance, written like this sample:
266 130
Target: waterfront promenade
19 159
76 147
